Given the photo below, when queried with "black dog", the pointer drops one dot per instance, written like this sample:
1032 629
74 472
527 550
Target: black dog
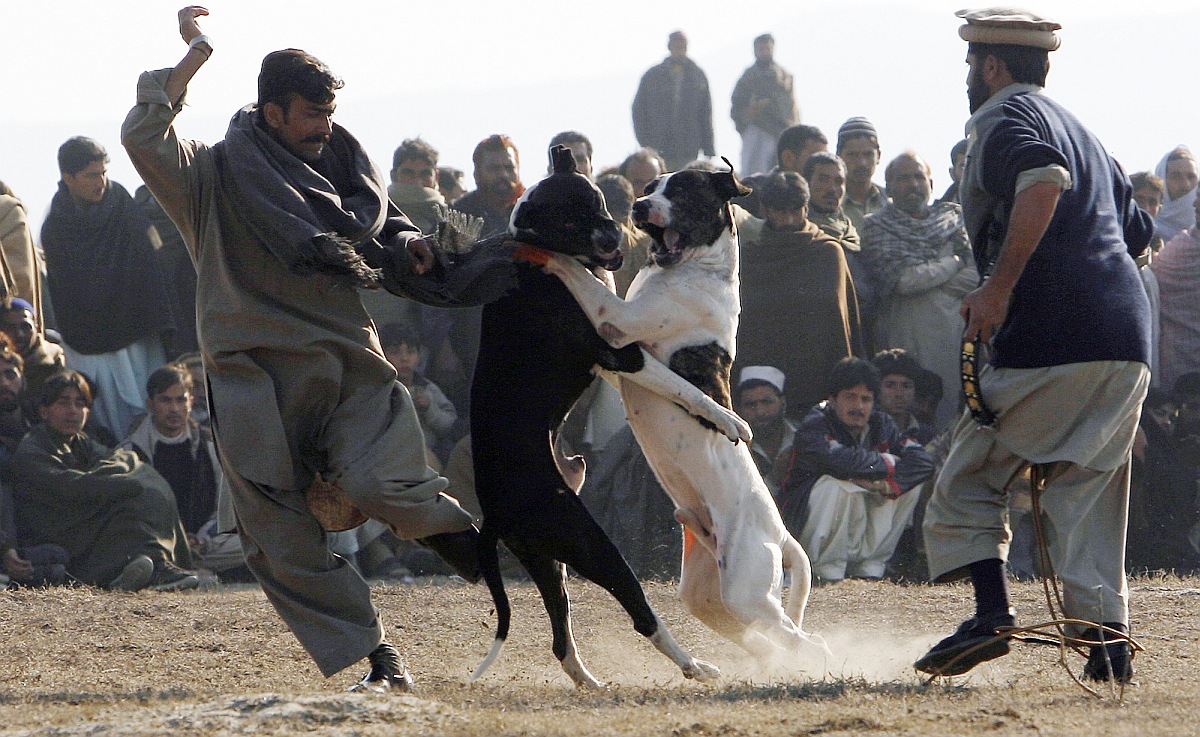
536 356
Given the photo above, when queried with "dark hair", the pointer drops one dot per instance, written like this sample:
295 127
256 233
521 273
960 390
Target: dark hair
449 177
821 157
928 385
1146 180
1157 397
1026 64
294 72
1187 385
783 191
959 149
897 361
60 381
394 334
495 143
567 137
796 138
618 195
78 153
165 377
851 372
414 148
763 38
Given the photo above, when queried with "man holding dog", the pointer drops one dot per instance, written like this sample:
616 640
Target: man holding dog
1054 231
281 218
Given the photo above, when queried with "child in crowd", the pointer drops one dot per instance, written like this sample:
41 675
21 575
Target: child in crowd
402 348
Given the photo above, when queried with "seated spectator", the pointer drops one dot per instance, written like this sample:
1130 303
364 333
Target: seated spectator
184 453
921 267
799 312
1177 272
928 392
759 400
1178 170
402 348
14 417
899 373
1162 497
115 515
849 492
41 357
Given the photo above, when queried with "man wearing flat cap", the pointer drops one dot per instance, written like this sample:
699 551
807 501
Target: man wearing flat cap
1055 233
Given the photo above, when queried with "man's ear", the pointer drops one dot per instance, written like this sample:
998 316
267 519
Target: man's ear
275 115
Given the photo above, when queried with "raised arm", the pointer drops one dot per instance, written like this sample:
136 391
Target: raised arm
199 50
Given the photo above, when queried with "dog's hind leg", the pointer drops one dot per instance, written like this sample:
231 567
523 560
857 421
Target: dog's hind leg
550 577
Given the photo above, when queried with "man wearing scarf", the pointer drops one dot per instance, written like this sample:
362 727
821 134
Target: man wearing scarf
286 218
106 284
921 267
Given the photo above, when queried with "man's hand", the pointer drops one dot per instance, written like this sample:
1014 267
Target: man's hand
422 255
985 311
16 566
188 27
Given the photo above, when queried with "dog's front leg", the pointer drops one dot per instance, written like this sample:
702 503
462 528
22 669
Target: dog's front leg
656 377
612 316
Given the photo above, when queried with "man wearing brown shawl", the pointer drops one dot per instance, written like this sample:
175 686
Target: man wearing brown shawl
282 218
921 267
799 310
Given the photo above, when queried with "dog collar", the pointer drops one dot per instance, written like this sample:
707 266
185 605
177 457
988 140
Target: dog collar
532 254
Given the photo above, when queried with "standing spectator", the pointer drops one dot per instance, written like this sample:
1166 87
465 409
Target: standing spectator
799 312
1177 271
642 167
858 146
672 110
178 272
1149 192
795 145
42 358
115 515
764 105
849 494
497 183
581 150
921 267
1178 169
21 255
109 295
759 399
1054 230
958 161
184 454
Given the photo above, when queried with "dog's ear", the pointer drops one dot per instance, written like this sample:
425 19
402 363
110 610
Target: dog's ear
727 184
562 161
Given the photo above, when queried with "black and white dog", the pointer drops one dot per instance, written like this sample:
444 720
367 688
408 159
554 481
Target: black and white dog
683 308
537 354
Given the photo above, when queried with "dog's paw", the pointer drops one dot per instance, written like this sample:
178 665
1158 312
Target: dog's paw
701 671
731 425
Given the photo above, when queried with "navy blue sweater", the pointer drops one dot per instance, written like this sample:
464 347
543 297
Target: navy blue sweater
1079 297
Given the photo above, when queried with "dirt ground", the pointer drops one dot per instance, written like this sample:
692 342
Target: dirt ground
219 662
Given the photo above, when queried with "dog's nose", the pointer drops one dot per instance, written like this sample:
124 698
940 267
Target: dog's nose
606 237
641 210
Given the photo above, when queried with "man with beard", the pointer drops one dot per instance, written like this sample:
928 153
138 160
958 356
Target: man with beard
497 183
799 311
672 110
282 218
42 358
852 485
764 105
1055 232
858 145
106 284
759 400
920 265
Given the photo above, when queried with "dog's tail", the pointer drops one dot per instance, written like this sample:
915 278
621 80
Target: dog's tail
489 566
796 560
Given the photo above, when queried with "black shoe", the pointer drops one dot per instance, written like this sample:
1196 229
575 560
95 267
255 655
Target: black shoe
170 577
1117 654
387 673
943 659
135 576
459 549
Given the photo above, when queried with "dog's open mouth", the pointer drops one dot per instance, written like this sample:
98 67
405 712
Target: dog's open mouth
668 245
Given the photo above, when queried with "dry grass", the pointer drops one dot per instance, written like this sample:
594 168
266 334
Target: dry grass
219 662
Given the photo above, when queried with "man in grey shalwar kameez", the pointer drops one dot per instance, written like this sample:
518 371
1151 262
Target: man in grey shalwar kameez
278 218
1055 232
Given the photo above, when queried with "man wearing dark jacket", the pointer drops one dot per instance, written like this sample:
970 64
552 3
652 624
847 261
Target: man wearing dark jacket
851 469
672 111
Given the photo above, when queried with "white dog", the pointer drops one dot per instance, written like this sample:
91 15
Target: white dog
682 308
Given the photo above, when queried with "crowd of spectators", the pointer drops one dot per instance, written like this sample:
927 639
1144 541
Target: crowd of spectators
847 368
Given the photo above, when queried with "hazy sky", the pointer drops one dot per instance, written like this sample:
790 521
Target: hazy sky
456 71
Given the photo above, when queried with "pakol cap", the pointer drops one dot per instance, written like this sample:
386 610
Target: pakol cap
1008 26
